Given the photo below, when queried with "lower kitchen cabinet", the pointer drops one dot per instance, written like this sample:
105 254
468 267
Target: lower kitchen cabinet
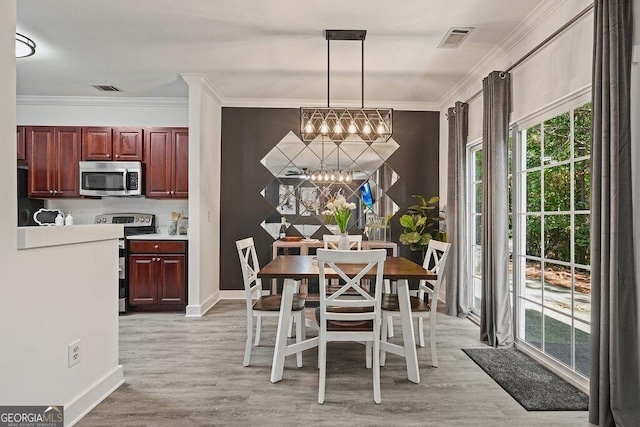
158 273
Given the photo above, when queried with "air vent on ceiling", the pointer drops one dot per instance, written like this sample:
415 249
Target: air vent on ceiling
454 37
106 88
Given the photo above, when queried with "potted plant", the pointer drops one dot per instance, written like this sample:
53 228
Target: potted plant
421 223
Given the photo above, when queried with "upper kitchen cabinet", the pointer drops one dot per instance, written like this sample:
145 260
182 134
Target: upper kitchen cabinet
166 157
122 144
22 143
53 154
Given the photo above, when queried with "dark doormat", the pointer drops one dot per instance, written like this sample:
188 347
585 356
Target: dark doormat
534 387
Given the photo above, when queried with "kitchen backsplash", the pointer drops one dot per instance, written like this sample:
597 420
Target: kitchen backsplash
84 211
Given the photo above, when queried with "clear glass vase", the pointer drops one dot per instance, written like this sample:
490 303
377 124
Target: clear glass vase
343 243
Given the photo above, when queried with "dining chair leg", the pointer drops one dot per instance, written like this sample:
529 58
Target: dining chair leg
247 347
290 330
383 354
280 351
376 370
421 331
367 349
409 342
299 335
258 330
322 364
387 290
389 328
432 339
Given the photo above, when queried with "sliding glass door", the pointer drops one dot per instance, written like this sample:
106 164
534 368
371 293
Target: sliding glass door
474 213
552 274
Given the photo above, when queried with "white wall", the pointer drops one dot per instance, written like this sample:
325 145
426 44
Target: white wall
50 296
205 121
560 68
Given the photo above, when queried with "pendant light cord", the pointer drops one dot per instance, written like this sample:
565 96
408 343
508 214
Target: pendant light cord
328 69
362 74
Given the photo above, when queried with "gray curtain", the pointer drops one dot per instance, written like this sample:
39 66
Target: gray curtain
456 284
496 326
615 364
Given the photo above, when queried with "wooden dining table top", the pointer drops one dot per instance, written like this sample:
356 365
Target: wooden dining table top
306 266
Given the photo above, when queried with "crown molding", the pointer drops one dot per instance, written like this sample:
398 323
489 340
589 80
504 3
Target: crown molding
203 81
530 23
97 101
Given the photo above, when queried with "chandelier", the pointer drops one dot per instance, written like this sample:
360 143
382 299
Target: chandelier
331 175
338 124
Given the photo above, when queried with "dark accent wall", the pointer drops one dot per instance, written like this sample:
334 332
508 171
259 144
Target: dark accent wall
248 134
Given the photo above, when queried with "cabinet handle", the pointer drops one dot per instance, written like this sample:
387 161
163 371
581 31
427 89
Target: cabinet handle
173 192
117 155
155 246
168 192
55 191
50 191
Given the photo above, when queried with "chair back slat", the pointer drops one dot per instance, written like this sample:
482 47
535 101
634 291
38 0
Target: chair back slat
369 260
331 241
250 267
435 260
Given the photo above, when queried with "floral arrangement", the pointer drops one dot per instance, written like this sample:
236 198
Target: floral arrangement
340 209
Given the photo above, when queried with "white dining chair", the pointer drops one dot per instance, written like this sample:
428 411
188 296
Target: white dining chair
260 306
331 241
345 317
434 261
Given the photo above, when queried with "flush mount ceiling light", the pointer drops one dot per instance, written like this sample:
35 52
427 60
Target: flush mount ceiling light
370 124
24 46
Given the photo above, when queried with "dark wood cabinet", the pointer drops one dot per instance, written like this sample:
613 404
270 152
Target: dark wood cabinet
166 157
21 143
53 154
157 273
104 143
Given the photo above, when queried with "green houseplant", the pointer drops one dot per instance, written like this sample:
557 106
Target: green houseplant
421 223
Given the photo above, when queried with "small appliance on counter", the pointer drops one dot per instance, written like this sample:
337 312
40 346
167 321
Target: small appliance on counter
134 224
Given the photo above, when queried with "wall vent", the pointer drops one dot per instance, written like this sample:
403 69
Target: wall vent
106 88
454 37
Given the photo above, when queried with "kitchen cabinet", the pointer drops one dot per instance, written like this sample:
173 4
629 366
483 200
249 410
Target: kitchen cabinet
105 143
166 157
157 273
53 154
22 143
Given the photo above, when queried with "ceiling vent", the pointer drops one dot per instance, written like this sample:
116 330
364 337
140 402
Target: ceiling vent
106 88
454 37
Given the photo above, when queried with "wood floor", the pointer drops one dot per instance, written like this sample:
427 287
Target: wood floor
183 372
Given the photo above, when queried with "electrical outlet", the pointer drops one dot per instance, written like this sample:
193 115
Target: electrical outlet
73 353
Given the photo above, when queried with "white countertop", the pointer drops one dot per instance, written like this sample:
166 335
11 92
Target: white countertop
39 237
163 235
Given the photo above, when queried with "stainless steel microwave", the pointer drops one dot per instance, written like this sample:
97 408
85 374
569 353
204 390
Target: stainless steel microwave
111 178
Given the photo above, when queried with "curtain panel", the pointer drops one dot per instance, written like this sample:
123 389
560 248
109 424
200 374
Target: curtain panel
496 325
614 372
456 270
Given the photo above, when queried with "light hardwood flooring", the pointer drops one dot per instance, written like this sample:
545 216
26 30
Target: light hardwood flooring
183 372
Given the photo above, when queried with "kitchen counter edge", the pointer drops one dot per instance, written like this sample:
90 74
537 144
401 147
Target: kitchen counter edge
158 236
40 237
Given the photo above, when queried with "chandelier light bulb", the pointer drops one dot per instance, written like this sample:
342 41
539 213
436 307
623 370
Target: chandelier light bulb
338 127
366 129
340 177
348 178
309 127
326 176
381 128
324 128
352 128
333 176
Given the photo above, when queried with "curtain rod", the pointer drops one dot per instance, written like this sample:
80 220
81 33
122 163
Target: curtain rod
540 45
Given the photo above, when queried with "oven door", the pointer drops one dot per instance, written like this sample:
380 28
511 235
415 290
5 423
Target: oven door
110 178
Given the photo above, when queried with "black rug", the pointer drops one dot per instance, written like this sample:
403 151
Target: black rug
535 387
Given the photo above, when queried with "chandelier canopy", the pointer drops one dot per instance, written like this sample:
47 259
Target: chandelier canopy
338 124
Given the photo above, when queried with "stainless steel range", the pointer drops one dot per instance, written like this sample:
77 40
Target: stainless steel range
134 224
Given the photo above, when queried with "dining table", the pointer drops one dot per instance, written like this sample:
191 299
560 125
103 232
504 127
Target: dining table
293 268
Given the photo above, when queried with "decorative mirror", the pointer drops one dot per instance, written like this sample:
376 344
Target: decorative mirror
306 175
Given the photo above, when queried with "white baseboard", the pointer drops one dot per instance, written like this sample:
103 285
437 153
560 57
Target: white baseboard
236 294
200 310
81 405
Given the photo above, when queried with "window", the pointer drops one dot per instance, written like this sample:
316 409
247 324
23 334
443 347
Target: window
474 213
552 277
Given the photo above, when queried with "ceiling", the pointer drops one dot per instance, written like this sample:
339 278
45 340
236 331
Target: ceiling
256 50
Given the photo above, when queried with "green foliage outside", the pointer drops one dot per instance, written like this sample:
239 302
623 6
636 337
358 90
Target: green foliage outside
548 148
